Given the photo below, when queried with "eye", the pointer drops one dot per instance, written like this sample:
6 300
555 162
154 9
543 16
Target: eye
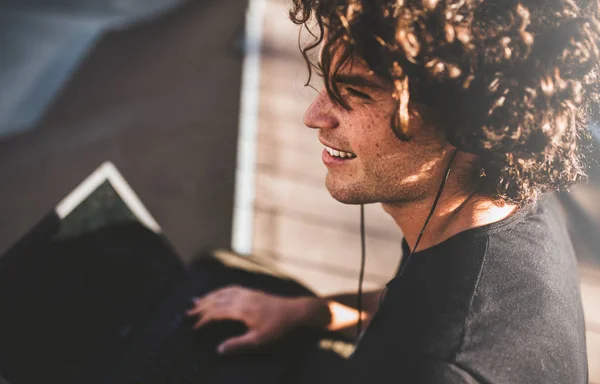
358 94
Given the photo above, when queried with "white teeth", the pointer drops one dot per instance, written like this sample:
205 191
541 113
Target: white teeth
336 153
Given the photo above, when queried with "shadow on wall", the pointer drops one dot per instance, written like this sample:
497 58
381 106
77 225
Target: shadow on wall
159 98
46 40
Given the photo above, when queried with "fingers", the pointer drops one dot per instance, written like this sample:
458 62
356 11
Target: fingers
204 320
199 307
247 340
215 316
229 303
217 299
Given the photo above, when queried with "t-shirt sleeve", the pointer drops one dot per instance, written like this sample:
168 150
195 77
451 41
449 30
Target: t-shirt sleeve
427 370
421 369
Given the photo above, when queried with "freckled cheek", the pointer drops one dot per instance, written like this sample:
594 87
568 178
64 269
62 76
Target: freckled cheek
371 134
372 148
379 145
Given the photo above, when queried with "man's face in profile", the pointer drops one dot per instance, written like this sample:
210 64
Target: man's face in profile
375 165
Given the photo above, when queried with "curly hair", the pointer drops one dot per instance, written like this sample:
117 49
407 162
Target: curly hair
513 81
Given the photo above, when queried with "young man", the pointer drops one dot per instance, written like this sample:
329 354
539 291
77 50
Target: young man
457 116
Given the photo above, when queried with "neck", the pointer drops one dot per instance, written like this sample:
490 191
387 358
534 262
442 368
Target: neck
456 211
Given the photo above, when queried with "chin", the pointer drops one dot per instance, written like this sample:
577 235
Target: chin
344 193
345 199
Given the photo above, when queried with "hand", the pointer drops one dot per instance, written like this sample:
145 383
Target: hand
267 317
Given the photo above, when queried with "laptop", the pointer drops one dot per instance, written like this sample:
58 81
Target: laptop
75 286
94 293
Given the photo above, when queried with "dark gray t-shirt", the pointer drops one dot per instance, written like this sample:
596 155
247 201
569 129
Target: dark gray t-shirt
495 304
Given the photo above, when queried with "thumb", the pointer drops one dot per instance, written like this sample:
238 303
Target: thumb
248 339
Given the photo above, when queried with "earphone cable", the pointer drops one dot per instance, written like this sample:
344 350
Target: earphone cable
362 270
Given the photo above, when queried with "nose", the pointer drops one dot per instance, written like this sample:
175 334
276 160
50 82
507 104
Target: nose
320 114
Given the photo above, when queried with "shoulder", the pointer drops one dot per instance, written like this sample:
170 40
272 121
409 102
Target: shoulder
534 251
528 291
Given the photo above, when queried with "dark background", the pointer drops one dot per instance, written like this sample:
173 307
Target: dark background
160 99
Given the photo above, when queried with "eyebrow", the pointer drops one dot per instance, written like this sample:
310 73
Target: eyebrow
358 81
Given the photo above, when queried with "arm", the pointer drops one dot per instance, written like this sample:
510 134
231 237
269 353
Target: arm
337 312
268 317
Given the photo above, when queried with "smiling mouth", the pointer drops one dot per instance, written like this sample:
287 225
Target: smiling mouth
340 154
